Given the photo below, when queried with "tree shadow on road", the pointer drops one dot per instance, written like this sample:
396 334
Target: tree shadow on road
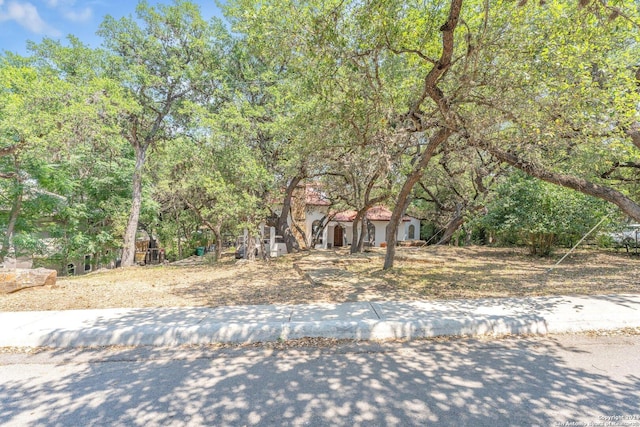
470 383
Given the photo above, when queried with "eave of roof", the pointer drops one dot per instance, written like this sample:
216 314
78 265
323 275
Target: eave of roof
376 213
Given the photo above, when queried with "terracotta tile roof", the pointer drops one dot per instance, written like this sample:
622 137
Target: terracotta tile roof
376 213
379 213
346 216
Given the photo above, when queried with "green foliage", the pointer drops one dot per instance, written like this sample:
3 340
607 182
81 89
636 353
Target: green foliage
331 89
220 183
71 168
557 83
541 214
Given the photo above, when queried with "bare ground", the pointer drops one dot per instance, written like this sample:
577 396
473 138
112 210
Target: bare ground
425 273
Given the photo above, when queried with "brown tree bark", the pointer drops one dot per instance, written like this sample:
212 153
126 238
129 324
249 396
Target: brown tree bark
446 129
129 243
358 226
625 204
361 215
250 247
634 133
217 232
402 200
282 224
8 150
7 241
452 226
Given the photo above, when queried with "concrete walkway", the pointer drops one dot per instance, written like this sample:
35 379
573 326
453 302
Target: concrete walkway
357 320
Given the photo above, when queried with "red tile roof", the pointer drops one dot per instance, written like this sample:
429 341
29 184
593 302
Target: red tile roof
376 213
379 213
314 196
346 216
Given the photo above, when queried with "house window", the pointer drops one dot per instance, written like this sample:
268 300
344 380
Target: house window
71 269
87 263
412 232
316 231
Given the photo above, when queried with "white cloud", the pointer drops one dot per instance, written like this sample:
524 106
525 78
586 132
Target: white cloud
78 16
56 3
27 16
66 10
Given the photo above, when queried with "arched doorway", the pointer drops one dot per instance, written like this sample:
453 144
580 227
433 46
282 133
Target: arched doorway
338 236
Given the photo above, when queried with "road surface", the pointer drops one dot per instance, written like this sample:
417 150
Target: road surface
546 381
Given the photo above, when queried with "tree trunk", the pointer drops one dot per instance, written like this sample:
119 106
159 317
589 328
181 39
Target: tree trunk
294 241
364 230
282 226
217 232
180 232
625 204
129 244
402 200
357 244
179 238
355 239
6 151
452 226
634 133
431 90
361 218
7 242
250 247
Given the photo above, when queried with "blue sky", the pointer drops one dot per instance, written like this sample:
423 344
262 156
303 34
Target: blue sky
22 20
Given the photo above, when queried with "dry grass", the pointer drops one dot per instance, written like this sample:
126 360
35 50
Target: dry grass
479 272
426 273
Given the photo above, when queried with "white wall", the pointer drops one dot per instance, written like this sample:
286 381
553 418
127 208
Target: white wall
381 232
348 233
403 230
416 223
315 213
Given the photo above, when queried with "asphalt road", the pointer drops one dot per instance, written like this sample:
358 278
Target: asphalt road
546 381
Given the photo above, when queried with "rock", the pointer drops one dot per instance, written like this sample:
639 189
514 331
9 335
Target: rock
21 278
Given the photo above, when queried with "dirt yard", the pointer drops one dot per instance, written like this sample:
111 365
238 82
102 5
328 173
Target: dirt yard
426 273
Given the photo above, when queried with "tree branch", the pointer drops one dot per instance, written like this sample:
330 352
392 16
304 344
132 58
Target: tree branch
627 205
441 66
5 151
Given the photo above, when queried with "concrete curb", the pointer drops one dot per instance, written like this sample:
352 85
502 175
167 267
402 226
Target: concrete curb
360 320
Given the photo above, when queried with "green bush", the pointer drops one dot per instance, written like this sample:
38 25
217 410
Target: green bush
540 214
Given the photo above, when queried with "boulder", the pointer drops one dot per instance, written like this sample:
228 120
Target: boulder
14 280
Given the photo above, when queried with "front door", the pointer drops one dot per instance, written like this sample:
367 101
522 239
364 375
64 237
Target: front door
338 235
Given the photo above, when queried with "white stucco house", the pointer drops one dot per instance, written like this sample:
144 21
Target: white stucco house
338 231
310 211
